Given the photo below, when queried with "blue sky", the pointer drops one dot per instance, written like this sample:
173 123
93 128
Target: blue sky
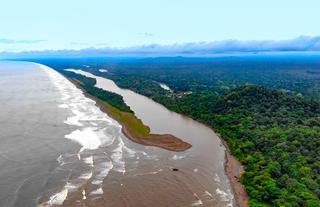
76 24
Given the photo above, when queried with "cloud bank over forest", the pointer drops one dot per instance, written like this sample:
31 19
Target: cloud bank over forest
300 44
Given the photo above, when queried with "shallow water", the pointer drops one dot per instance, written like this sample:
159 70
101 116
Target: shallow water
57 147
31 134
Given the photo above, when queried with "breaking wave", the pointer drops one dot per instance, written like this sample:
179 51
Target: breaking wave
92 129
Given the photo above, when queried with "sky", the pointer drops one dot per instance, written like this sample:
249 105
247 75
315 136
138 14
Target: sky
77 24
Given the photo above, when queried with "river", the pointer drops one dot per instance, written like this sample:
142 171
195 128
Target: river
202 166
58 148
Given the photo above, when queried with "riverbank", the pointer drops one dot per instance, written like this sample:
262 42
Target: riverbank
165 141
234 169
134 129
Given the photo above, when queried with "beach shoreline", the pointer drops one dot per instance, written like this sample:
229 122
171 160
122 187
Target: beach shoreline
234 170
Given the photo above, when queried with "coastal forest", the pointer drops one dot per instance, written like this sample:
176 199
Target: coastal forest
88 85
266 108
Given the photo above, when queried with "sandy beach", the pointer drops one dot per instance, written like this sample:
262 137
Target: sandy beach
234 169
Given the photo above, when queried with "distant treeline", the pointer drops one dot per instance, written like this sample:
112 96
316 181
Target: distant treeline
291 73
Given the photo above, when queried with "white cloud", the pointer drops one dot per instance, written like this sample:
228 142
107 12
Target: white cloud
300 44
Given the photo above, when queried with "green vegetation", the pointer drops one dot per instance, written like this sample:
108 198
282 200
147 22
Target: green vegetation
275 136
88 84
275 133
135 125
113 104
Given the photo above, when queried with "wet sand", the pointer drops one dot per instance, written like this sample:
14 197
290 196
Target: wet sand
234 169
165 141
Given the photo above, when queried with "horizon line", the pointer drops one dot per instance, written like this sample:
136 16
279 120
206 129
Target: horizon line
225 47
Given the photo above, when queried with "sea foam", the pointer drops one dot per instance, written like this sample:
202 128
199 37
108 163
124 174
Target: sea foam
92 129
58 198
86 137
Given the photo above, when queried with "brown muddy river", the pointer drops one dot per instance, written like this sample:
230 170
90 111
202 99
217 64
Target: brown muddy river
201 179
58 149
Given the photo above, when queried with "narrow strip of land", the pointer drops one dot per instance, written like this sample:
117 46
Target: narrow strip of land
132 127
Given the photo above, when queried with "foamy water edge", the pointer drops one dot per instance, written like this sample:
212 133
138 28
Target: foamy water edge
90 123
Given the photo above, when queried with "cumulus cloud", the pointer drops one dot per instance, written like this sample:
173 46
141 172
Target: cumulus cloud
300 44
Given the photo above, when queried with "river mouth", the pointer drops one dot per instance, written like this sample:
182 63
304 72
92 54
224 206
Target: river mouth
72 154
200 169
